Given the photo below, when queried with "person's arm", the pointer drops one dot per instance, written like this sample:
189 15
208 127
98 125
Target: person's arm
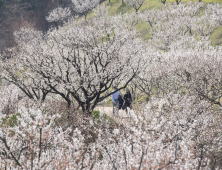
113 98
125 97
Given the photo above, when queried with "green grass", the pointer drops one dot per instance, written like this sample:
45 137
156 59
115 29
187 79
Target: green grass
96 117
144 30
10 121
116 6
216 37
150 4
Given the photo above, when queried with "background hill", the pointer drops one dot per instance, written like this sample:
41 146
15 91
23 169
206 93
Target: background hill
15 14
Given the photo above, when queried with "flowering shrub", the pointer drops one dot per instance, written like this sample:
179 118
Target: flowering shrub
172 132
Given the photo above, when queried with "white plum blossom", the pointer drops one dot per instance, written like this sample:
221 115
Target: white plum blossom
58 14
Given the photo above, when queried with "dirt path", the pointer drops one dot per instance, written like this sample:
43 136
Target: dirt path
122 118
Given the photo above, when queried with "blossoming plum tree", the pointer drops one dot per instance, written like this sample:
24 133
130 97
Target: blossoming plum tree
78 60
84 6
136 4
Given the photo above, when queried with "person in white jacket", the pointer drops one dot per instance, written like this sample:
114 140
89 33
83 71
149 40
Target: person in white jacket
115 101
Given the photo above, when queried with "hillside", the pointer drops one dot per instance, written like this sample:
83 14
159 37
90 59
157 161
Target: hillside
116 6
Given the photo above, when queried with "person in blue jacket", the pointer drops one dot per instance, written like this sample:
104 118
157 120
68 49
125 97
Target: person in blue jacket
115 100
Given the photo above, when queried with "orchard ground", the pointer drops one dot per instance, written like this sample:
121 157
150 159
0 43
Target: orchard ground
109 111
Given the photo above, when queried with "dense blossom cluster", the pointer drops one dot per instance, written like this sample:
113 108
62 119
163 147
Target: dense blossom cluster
85 5
172 132
11 98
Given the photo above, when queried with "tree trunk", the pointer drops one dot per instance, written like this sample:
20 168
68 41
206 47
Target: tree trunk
86 109
163 1
137 11
68 109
